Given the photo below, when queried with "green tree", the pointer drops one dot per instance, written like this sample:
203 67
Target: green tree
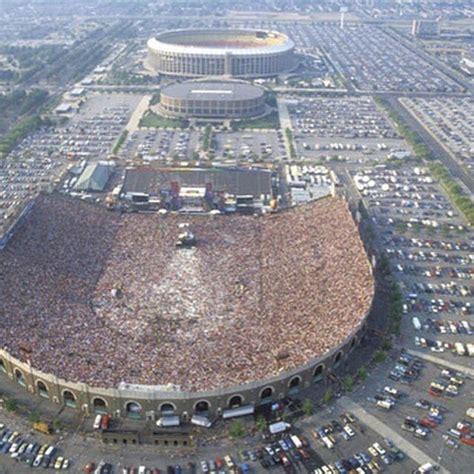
308 407
261 423
386 345
34 417
236 429
11 404
328 395
379 356
362 373
348 383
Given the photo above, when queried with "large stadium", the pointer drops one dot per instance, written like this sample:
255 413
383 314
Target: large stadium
101 311
221 52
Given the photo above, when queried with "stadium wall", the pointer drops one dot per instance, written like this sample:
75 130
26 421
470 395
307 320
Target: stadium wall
167 58
90 400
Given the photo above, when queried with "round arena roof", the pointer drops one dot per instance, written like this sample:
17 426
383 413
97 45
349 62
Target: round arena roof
221 91
221 42
102 298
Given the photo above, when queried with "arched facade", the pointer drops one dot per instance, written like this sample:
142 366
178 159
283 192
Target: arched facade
198 53
236 401
167 408
99 405
19 377
202 406
266 394
135 404
42 388
133 409
69 399
318 373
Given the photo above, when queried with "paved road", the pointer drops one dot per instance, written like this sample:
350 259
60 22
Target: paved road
383 430
454 75
453 166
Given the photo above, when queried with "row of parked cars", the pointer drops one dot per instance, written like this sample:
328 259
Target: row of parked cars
107 468
406 370
372 461
288 451
34 454
386 398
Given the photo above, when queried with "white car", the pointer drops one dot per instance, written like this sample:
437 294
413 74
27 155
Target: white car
379 449
37 461
372 451
349 430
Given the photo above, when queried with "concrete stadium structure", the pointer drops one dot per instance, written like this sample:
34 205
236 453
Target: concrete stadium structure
221 52
139 401
148 402
212 100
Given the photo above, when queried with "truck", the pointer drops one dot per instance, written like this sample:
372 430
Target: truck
296 441
470 349
459 348
416 323
43 427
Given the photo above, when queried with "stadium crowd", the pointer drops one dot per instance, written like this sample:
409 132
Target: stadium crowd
96 297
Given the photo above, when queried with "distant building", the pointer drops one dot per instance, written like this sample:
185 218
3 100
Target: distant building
63 108
77 91
425 28
199 189
94 177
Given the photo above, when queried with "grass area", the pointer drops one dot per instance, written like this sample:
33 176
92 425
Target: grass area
20 131
152 120
155 99
454 191
207 137
120 142
271 120
419 148
291 145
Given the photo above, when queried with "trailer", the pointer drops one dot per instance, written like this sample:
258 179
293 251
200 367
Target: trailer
279 427
168 421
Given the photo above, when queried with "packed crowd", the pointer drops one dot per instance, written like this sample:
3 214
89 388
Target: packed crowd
104 299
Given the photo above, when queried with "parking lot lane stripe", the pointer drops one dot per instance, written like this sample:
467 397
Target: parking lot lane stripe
445 363
383 430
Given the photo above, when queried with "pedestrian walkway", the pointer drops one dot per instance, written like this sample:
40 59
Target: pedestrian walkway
137 115
285 123
383 430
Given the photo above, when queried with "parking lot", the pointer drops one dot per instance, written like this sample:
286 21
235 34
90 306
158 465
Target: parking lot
450 121
431 252
169 146
345 129
41 159
373 61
